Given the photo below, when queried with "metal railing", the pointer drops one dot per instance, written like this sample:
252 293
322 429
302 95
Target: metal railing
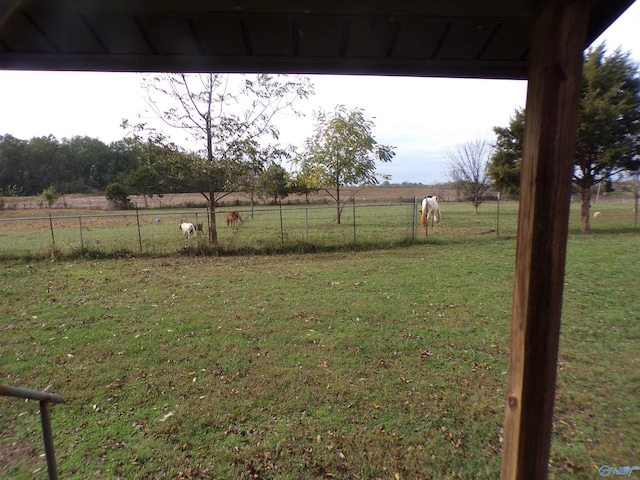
45 419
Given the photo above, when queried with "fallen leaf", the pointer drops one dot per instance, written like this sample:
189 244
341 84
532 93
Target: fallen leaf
170 414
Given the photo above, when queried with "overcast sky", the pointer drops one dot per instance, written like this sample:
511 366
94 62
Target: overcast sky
424 118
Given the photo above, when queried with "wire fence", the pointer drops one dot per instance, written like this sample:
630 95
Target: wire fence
276 228
159 232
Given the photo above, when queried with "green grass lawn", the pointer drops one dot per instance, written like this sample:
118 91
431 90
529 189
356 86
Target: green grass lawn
387 363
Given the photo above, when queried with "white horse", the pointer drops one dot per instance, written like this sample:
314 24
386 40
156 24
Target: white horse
430 209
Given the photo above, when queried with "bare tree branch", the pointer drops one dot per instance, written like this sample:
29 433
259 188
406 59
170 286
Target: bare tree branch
468 170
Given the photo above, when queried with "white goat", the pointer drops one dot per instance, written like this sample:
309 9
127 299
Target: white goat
187 228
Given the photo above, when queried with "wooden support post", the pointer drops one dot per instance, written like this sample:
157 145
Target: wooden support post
559 37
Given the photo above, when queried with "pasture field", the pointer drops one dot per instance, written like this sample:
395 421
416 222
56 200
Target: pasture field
377 364
263 230
70 233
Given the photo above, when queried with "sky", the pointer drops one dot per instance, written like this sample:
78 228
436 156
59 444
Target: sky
423 118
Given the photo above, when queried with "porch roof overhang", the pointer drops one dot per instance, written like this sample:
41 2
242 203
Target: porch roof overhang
456 38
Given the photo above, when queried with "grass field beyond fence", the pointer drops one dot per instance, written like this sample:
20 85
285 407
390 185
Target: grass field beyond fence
69 233
156 232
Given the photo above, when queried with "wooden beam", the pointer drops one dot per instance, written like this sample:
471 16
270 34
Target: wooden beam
559 36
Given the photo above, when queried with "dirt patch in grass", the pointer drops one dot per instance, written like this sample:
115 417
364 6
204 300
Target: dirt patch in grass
22 454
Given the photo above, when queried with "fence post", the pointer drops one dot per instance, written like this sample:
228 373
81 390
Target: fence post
281 227
209 224
53 240
498 217
47 433
138 222
306 221
635 207
414 226
80 226
353 201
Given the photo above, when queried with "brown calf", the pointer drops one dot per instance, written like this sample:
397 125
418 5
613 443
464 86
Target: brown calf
233 218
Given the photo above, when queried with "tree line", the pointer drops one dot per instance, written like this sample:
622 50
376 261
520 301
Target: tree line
131 166
75 165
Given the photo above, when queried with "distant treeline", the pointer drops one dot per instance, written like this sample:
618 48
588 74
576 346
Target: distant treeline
76 165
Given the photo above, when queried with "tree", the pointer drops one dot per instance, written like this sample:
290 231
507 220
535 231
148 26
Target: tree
50 196
228 116
608 141
634 186
274 183
468 170
342 152
44 165
505 163
117 194
258 160
86 158
144 181
125 157
608 136
306 181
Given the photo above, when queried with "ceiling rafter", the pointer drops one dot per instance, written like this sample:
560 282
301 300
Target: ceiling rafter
87 24
196 35
443 37
246 38
489 41
41 31
145 35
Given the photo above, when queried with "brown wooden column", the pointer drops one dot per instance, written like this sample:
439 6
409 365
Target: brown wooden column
559 37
